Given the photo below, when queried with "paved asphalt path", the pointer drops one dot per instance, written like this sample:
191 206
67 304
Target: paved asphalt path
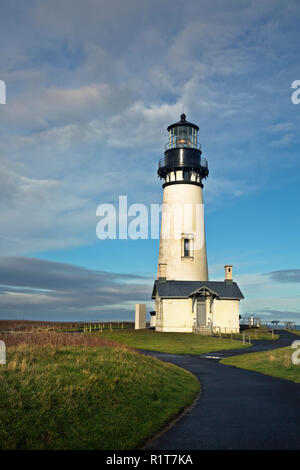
236 409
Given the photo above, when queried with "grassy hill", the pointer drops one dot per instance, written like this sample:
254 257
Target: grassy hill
60 391
276 362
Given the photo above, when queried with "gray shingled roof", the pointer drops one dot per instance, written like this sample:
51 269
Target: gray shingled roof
183 289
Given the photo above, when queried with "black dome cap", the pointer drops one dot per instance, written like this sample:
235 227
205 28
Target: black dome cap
183 122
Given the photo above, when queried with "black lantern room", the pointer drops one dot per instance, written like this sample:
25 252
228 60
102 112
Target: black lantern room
183 161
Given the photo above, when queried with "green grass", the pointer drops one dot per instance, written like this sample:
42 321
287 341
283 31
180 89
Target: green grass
276 363
174 343
259 333
295 332
87 398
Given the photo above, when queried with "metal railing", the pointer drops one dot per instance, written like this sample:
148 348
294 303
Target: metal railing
176 161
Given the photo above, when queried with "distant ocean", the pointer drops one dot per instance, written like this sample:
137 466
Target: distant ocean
280 326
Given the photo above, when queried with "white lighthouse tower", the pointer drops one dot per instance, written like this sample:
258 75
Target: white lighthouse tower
182 250
185 300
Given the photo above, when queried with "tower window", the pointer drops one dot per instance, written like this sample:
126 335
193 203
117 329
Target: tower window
186 175
187 246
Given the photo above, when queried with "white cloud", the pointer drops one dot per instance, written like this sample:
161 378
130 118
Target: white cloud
89 102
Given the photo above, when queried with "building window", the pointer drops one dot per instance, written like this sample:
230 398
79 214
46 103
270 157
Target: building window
187 244
160 309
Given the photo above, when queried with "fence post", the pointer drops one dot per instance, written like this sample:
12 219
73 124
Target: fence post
243 337
249 338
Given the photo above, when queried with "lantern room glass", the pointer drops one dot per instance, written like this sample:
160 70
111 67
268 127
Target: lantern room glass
183 136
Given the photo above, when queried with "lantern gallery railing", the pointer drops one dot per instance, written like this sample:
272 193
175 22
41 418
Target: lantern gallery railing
181 161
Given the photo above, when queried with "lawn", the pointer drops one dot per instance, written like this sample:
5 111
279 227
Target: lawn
174 343
80 397
295 332
259 333
276 363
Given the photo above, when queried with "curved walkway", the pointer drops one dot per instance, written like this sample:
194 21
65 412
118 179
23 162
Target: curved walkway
237 409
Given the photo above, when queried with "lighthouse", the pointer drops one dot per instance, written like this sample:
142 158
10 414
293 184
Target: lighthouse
182 250
185 299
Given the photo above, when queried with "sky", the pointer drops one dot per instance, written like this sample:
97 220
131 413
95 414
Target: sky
91 88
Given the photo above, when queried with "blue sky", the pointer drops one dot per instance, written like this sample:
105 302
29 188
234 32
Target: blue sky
91 89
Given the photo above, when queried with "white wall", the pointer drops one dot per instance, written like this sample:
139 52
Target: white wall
175 315
225 314
170 249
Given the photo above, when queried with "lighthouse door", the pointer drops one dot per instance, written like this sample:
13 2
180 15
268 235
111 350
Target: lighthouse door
201 311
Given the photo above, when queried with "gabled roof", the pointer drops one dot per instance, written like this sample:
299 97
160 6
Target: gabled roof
202 290
183 289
